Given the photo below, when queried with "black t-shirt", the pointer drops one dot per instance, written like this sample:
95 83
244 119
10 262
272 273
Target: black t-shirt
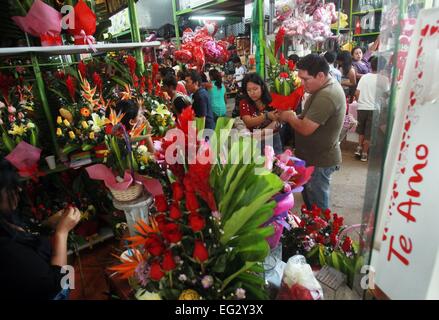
202 107
25 269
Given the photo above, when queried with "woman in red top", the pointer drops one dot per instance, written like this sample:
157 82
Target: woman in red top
256 113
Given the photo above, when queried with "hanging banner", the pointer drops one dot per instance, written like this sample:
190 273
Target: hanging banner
407 237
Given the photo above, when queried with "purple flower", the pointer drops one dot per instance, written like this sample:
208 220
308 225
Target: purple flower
207 282
142 273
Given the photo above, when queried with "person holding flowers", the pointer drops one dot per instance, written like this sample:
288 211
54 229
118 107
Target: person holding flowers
255 111
31 264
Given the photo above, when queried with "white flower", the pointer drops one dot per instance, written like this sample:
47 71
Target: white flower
97 120
182 277
2 105
142 294
207 282
31 125
143 150
96 129
240 293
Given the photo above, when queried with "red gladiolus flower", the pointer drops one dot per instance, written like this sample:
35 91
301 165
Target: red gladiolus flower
200 252
291 65
155 70
175 212
177 191
154 245
197 222
70 83
327 214
168 263
97 81
160 203
284 75
172 232
320 223
282 60
333 238
347 243
187 115
192 202
279 39
320 239
155 272
131 62
82 68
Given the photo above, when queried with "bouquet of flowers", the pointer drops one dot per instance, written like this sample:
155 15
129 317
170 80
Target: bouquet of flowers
321 237
205 240
16 112
285 86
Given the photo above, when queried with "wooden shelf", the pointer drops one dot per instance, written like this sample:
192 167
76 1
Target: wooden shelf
72 49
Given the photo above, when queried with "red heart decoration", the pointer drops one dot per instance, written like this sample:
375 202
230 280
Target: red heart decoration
420 74
399 158
395 185
420 42
407 125
395 194
386 229
419 52
412 102
402 145
384 237
416 65
425 30
412 94
403 170
403 135
433 30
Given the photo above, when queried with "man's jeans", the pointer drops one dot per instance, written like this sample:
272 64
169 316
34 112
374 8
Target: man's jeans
316 191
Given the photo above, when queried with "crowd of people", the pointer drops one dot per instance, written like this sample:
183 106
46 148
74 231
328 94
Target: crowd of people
314 127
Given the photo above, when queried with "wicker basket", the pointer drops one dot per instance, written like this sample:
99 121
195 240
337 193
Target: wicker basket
130 194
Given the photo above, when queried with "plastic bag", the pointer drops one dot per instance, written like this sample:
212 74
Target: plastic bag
298 281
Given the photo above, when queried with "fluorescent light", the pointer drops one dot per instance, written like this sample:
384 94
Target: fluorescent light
207 18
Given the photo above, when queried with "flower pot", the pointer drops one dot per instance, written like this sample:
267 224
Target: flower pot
130 194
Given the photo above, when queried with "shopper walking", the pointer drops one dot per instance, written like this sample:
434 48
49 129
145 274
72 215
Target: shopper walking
371 89
217 94
348 75
318 127
200 98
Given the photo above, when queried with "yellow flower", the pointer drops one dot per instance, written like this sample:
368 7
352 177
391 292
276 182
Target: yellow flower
18 130
71 135
59 132
92 135
59 120
66 123
84 124
189 294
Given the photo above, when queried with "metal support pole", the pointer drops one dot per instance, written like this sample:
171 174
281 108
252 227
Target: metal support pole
177 29
135 34
44 103
260 4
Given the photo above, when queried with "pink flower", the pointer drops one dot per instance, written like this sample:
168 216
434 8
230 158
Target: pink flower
11 118
20 115
11 109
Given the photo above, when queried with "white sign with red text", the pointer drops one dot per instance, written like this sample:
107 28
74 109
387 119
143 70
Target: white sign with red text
407 263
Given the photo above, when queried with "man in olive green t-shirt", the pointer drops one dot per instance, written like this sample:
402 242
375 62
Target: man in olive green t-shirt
318 127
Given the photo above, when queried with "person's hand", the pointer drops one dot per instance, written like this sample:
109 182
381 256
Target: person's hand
273 115
53 220
287 116
69 219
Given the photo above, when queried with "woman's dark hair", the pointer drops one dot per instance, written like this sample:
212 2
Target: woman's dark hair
294 57
195 77
170 81
345 59
9 181
165 71
313 64
215 75
355 48
181 75
256 79
130 108
180 103
237 59
374 63
330 56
